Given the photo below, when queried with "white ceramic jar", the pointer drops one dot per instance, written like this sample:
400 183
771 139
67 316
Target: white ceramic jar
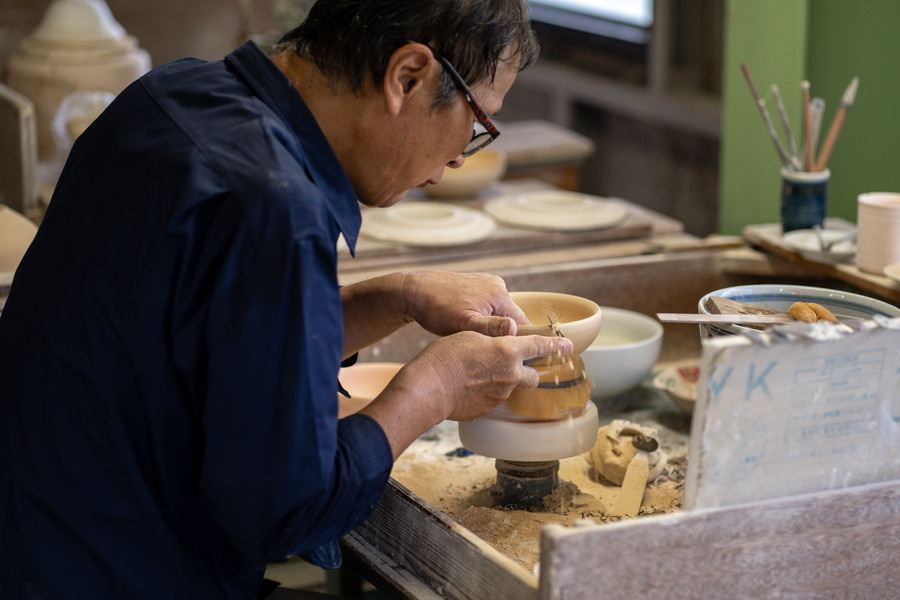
77 46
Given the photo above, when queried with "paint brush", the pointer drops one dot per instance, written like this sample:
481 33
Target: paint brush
838 122
809 150
767 120
785 122
817 108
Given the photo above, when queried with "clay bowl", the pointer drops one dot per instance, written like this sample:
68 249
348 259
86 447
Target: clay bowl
478 172
563 389
578 318
623 353
364 381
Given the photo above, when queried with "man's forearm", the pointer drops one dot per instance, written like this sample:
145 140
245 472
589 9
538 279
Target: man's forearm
372 310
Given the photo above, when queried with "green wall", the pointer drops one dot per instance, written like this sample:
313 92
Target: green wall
827 42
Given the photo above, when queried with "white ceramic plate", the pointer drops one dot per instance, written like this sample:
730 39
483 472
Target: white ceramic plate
16 234
807 244
680 382
556 210
426 224
893 271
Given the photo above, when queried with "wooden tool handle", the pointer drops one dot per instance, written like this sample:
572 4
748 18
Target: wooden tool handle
734 319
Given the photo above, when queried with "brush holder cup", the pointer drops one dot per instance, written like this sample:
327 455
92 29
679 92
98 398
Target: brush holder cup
804 199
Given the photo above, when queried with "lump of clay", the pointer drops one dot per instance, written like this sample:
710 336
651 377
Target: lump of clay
614 450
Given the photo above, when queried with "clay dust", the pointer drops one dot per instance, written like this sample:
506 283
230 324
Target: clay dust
459 486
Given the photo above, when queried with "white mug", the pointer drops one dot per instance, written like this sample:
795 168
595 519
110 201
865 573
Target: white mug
878 238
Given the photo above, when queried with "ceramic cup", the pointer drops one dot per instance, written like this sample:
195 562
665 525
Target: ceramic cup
804 198
878 223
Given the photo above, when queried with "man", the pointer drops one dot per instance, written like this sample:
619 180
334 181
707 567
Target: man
170 346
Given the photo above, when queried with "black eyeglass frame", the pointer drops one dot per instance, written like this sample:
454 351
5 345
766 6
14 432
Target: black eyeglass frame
491 133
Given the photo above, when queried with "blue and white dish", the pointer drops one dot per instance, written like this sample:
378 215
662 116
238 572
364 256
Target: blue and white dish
781 296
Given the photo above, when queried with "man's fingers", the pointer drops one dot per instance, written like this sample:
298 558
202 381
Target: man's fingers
529 379
515 313
539 345
493 326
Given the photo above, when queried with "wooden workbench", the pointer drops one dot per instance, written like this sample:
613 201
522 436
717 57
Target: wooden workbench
643 232
768 238
836 544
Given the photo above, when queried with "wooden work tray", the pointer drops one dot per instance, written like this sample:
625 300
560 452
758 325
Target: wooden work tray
506 240
832 544
768 238
836 544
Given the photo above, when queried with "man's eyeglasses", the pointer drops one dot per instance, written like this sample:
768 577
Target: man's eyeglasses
488 132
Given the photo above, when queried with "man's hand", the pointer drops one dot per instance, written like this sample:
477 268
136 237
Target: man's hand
445 303
459 377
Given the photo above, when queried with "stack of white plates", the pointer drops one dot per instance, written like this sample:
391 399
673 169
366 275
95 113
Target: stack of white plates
556 210
426 224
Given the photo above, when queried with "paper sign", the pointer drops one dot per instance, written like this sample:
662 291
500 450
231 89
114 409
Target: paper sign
802 409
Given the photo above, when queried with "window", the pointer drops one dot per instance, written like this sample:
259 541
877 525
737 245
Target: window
626 20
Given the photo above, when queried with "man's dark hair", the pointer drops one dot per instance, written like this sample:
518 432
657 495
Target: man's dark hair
349 40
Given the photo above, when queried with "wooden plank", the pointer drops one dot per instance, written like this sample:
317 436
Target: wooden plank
18 151
381 571
418 542
838 544
541 258
506 240
747 261
768 238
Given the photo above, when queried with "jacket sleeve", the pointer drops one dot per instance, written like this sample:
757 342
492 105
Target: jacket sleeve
280 475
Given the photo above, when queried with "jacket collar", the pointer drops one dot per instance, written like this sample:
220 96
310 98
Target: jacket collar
273 88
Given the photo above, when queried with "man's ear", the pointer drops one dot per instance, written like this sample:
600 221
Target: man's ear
409 70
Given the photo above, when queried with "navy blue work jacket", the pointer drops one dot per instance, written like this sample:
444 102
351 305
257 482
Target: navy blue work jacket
170 347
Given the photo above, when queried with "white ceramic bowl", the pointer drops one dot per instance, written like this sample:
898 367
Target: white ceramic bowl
623 353
781 296
364 381
478 172
806 242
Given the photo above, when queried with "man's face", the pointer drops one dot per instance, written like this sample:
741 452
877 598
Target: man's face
424 141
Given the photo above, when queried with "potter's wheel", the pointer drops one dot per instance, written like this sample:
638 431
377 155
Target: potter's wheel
427 224
531 441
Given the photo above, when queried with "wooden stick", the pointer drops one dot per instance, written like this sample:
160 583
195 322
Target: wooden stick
632 495
817 110
837 123
785 122
807 125
736 319
786 158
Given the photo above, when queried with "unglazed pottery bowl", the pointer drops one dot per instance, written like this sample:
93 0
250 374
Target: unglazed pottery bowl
364 381
478 172
564 387
578 318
